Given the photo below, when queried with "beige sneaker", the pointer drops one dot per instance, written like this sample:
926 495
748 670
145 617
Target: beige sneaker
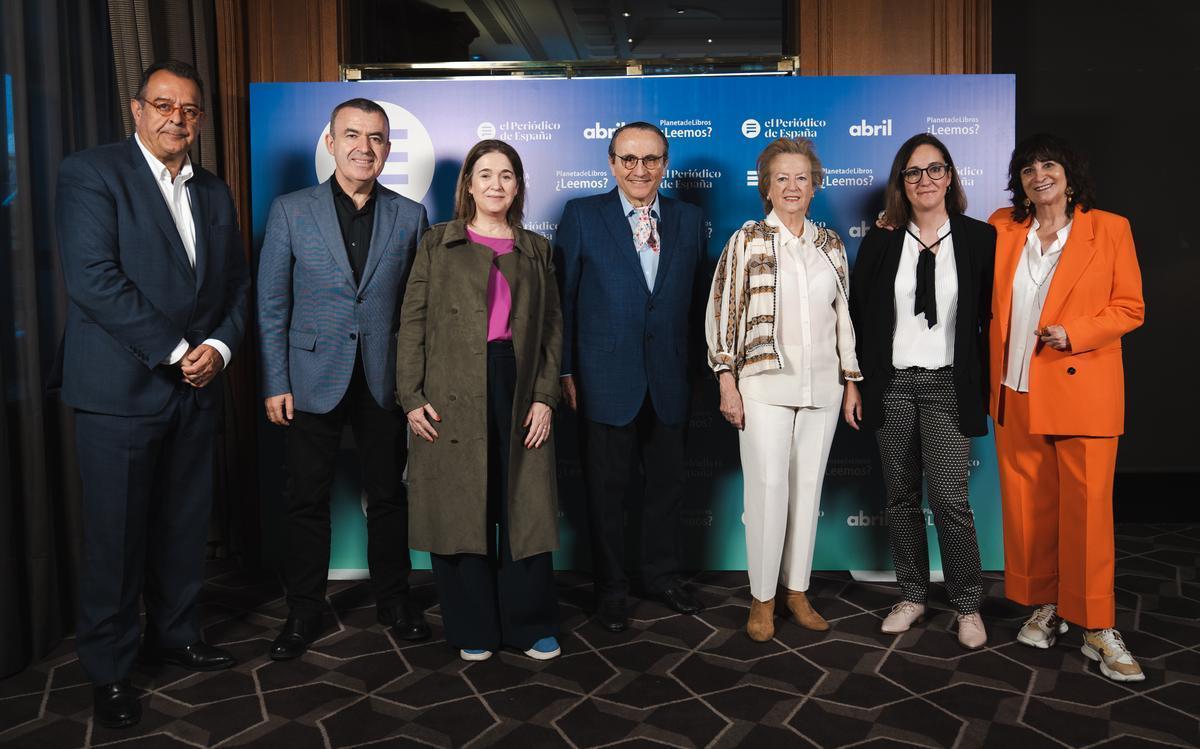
1042 629
1116 662
971 633
903 615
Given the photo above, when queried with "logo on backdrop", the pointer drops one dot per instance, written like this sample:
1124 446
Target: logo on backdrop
864 129
957 125
523 131
751 178
784 127
854 176
409 166
967 174
751 128
693 128
600 132
485 131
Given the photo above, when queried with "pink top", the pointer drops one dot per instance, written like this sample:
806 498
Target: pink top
499 296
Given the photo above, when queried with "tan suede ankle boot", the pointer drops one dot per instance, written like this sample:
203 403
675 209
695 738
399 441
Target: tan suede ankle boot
761 624
806 616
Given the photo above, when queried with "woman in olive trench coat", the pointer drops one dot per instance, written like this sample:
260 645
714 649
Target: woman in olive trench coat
443 358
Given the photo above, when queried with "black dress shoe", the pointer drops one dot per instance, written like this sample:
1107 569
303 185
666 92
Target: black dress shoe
116 705
611 615
295 637
199 656
406 621
679 599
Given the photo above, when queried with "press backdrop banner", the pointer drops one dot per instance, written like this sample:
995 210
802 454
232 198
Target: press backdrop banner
717 125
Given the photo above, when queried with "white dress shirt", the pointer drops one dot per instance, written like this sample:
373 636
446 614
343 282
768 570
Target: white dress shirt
914 343
1031 284
179 203
805 326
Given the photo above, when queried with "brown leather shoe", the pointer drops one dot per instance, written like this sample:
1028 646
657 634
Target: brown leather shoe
761 624
806 616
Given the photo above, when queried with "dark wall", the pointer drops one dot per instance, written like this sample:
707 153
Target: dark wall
1121 82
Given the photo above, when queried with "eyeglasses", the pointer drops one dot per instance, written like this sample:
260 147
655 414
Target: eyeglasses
190 112
912 175
651 162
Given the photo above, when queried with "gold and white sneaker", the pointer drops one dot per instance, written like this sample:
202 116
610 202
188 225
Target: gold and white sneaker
1042 629
1107 648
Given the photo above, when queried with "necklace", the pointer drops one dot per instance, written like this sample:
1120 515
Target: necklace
1046 276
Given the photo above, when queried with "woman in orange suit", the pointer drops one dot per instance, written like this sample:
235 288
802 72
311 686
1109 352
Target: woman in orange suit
1067 287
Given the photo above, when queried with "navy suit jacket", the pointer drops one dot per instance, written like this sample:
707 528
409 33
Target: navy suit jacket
621 339
133 292
313 318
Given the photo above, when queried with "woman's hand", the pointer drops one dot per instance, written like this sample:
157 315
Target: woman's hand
852 405
880 223
731 401
418 422
538 422
1054 336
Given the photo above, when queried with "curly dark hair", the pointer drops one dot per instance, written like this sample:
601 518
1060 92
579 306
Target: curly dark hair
1047 147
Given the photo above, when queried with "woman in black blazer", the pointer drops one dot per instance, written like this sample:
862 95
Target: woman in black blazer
920 299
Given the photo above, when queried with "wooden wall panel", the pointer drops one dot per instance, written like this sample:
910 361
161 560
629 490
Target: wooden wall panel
293 40
871 37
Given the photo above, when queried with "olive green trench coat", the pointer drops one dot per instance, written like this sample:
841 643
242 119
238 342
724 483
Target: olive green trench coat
441 359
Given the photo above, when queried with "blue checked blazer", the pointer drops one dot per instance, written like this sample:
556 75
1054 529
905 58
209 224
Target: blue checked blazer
312 317
621 339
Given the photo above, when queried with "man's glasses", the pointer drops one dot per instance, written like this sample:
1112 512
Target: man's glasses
190 112
912 175
651 162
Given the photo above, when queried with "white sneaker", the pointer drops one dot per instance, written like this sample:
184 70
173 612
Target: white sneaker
1042 629
474 654
1107 647
903 615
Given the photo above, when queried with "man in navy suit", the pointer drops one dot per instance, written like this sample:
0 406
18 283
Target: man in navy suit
330 281
157 283
627 262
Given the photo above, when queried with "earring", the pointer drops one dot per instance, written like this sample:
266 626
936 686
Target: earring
1025 202
1070 193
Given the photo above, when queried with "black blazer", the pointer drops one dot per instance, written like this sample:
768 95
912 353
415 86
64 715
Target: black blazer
873 310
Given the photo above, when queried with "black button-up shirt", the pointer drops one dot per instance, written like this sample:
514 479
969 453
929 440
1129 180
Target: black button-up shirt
356 225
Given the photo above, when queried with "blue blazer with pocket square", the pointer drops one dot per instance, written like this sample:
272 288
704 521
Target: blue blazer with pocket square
313 318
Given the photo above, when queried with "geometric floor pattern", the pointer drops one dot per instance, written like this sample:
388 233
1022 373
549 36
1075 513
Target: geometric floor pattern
671 680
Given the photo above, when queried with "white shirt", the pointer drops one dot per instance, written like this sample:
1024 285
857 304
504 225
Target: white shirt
179 203
1031 284
914 343
805 326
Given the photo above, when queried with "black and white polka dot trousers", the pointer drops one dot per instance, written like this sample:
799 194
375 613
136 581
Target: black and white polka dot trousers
920 435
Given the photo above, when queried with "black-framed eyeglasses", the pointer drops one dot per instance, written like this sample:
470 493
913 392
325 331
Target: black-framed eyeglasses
912 175
190 112
651 162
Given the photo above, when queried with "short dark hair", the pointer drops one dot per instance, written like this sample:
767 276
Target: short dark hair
464 204
362 105
1047 147
778 147
174 67
897 210
639 125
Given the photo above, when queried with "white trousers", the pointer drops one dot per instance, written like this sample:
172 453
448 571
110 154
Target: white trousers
784 452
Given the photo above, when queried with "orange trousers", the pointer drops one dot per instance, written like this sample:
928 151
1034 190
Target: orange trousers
1056 496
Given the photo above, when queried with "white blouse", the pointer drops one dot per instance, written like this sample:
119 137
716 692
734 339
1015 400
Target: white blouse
914 343
1031 284
805 327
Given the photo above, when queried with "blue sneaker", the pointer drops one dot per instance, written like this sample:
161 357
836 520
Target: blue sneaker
544 649
474 654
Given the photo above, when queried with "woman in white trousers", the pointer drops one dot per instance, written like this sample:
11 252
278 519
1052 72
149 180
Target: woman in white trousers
781 343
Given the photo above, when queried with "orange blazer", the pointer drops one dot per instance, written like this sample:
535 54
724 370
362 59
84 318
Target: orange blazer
1096 294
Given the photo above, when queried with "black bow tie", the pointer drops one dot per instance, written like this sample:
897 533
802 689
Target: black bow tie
926 291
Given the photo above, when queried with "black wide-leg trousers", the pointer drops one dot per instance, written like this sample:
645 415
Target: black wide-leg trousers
491 600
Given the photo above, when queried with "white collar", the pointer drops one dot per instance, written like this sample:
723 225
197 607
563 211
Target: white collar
159 169
785 234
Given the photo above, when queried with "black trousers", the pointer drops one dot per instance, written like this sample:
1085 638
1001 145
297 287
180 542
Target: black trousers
147 498
490 600
312 449
920 436
645 459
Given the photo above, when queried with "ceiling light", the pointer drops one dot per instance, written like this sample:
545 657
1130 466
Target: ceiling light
626 14
680 11
710 41
630 40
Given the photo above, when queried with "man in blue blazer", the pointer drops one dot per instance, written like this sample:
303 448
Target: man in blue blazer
157 283
631 302
331 277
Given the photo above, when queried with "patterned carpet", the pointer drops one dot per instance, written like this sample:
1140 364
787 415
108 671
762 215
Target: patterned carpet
670 681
